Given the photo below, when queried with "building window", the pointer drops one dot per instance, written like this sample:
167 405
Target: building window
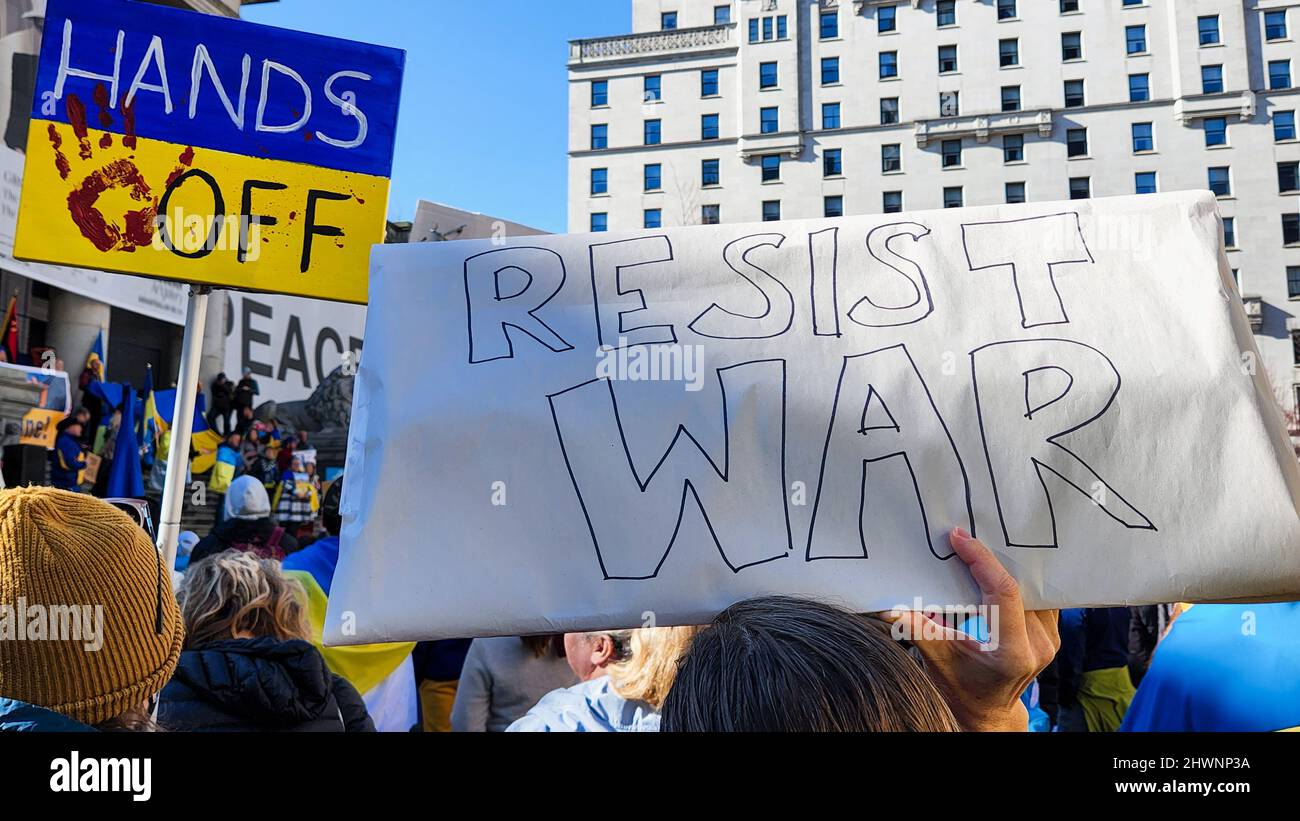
952 197
1069 6
830 115
951 152
1211 79
1216 131
1288 177
599 181
768 23
654 173
1011 98
830 25
753 30
832 162
710 214
888 64
1015 192
1133 2
767 28
1135 38
1143 139
771 211
767 75
1295 347
653 218
599 93
1279 74
1009 52
830 70
1230 233
710 173
1073 93
888 110
599 137
833 206
668 20
1207 28
1291 229
1283 125
1076 142
1080 188
892 202
1006 9
771 165
1275 25
1071 46
1139 88
599 222
721 15
652 129
891 158
1220 181
781 32
1013 148
1144 182
709 127
709 83
1293 281
949 103
947 59
653 90
886 19
945 13
768 120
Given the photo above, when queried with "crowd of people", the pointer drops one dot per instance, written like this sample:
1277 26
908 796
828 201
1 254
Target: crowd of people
236 647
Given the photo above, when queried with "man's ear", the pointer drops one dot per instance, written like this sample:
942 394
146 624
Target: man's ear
602 650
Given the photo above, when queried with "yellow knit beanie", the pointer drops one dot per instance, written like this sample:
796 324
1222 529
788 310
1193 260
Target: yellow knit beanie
67 559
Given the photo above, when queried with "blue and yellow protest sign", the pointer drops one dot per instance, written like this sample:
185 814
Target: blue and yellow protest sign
183 146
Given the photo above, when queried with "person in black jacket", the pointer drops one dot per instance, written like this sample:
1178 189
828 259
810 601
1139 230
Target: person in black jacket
223 405
247 664
246 525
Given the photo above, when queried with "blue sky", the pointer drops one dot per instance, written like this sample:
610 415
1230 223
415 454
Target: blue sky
484 118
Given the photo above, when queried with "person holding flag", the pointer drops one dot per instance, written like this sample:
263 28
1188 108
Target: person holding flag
10 331
95 370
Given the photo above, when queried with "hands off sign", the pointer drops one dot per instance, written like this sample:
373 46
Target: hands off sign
171 144
668 421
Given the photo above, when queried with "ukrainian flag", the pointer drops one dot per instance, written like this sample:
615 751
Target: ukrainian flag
96 361
382 673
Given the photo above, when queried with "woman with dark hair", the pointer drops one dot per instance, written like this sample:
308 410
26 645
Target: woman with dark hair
786 664
504 677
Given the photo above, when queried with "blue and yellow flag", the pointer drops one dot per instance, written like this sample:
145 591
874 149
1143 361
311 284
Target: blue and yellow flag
96 360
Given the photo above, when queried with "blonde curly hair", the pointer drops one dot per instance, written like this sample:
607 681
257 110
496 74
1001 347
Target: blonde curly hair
235 594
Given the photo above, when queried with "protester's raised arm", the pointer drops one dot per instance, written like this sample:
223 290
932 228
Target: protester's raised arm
982 682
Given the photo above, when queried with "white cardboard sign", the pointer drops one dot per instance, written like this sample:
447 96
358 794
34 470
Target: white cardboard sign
579 432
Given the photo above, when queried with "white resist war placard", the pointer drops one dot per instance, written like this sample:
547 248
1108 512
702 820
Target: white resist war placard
580 432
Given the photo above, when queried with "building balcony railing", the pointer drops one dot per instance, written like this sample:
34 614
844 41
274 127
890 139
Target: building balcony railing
652 44
983 126
1254 312
1240 104
758 145
859 5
